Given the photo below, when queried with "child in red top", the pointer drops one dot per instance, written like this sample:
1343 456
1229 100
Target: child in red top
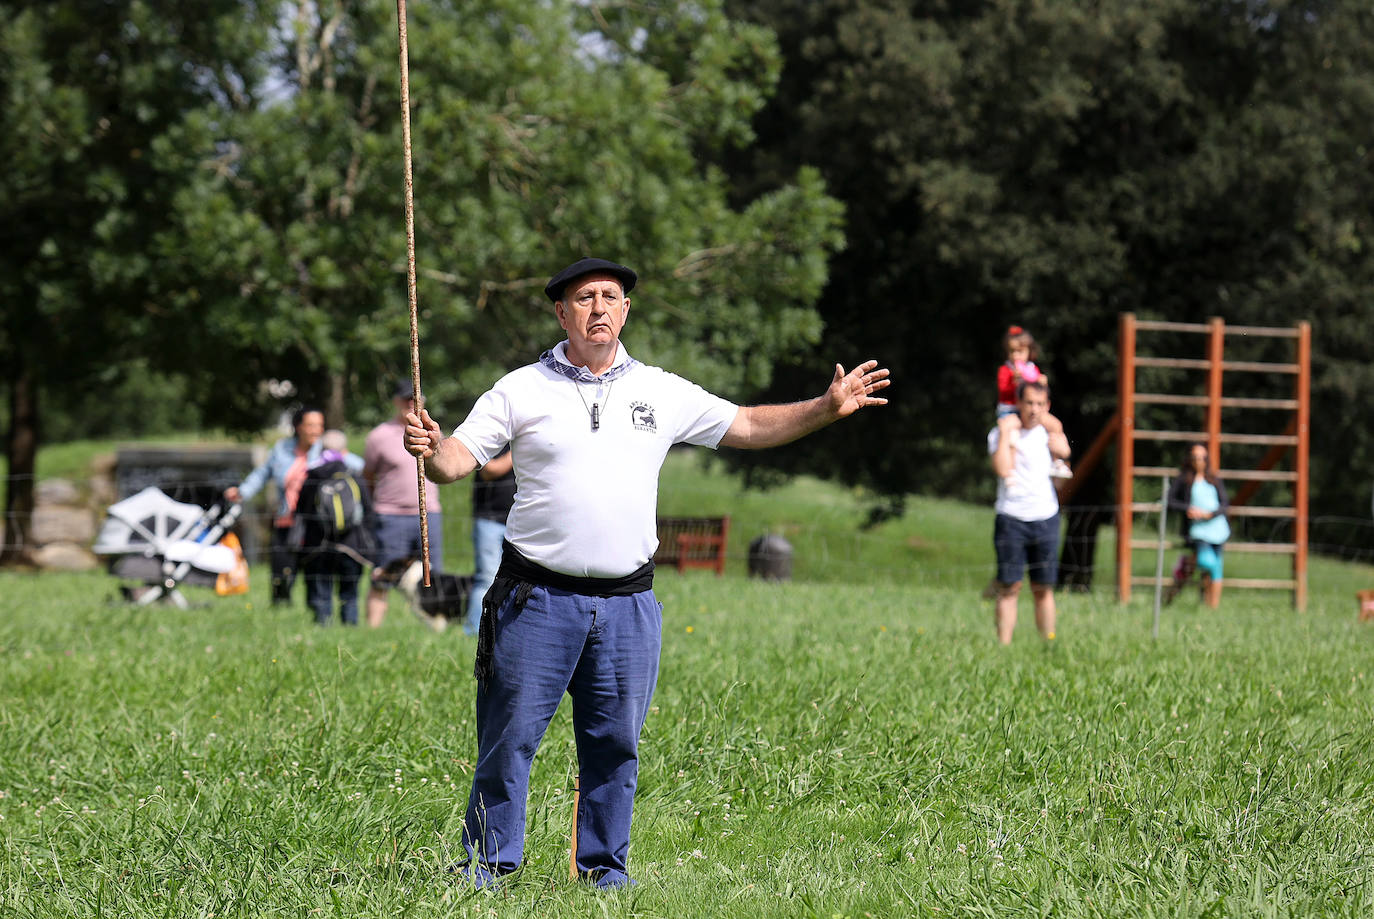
1020 368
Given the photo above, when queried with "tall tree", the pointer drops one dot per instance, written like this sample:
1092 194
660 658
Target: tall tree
89 90
541 133
1054 164
215 189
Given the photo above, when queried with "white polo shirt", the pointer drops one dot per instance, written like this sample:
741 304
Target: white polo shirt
1032 497
585 499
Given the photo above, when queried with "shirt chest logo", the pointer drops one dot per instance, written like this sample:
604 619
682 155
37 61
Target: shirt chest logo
642 417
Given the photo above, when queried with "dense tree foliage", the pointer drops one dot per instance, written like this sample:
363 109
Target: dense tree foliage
88 91
215 190
540 133
1054 164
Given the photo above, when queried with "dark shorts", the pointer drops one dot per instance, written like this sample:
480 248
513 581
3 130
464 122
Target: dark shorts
1023 544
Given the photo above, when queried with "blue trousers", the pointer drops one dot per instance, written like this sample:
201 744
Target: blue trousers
602 651
487 536
1209 559
322 571
398 536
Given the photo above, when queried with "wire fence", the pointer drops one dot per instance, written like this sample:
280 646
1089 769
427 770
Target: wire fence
836 546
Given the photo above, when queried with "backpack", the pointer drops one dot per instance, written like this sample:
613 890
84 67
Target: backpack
339 505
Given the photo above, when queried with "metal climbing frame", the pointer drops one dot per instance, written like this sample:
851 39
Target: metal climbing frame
1214 365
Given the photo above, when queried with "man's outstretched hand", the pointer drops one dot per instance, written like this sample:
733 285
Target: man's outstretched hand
852 391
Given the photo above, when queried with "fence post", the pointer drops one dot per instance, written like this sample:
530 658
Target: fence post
1159 553
1125 455
1304 416
1216 345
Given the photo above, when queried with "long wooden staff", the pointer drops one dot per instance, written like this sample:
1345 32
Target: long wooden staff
577 800
410 277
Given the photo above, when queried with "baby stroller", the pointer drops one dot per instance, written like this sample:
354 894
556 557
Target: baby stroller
165 543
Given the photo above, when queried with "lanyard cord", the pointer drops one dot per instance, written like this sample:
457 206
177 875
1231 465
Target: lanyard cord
593 410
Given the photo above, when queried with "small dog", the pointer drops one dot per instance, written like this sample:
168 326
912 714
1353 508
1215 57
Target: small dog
444 602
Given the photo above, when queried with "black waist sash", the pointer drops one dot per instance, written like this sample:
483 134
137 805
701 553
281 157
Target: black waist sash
520 576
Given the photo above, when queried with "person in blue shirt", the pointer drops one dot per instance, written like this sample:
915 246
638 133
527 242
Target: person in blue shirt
1198 495
286 465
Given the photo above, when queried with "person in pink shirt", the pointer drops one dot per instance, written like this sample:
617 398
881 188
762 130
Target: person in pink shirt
389 470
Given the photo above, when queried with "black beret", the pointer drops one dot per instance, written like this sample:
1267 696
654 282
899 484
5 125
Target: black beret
584 266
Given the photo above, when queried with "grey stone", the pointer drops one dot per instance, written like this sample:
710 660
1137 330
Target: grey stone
64 556
770 557
102 489
56 491
62 524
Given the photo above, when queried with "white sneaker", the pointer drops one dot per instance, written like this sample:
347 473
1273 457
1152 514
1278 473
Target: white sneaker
1060 470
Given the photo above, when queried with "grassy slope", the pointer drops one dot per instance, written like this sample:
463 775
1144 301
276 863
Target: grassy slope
851 745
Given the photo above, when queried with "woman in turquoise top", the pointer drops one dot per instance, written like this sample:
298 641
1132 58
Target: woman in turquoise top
1198 496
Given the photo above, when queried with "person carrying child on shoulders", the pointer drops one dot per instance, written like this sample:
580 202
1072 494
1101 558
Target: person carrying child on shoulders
1025 532
1020 367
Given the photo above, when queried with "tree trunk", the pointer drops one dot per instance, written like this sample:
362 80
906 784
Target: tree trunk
334 410
22 450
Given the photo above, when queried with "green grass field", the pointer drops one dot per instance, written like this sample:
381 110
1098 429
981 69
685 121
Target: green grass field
850 744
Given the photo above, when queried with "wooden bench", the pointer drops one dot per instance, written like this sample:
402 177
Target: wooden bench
692 542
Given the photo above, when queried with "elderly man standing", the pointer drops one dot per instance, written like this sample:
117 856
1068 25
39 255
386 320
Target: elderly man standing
1026 530
572 608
